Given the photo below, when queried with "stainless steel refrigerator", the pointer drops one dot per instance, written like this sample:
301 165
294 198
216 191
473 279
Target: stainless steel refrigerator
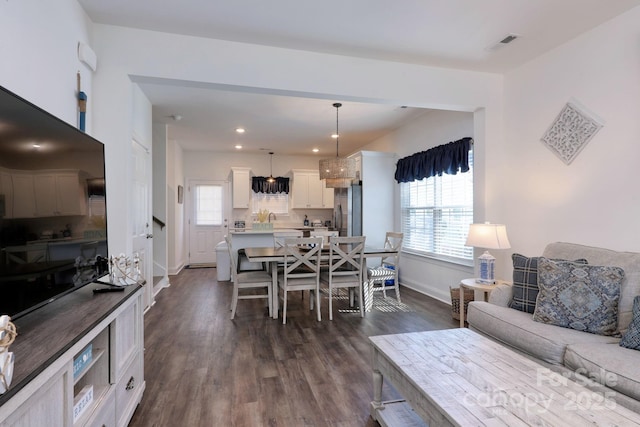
347 210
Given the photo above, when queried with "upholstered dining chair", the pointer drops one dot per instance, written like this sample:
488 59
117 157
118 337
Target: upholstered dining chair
301 271
346 257
388 268
252 279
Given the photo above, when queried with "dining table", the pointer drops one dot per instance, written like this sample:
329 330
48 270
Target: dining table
273 255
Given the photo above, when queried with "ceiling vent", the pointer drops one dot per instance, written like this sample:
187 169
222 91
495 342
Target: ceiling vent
502 42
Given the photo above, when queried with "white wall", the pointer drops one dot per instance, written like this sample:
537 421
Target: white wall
39 51
433 128
593 200
175 211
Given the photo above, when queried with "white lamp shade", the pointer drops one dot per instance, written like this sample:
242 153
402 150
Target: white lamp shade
488 236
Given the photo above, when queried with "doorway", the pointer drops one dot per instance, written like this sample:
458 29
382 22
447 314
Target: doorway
207 220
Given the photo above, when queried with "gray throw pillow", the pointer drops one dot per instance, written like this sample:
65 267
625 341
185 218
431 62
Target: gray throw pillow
581 297
631 338
525 282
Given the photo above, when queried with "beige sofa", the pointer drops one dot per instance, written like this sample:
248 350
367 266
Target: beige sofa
615 370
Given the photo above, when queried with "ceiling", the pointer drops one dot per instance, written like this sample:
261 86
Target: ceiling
445 33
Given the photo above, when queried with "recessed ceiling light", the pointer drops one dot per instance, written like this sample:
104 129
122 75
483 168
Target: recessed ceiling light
240 130
334 136
238 147
36 145
315 150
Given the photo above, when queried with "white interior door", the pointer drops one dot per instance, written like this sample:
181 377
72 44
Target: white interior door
207 220
142 216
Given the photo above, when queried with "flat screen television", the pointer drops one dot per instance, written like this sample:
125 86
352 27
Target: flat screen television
53 229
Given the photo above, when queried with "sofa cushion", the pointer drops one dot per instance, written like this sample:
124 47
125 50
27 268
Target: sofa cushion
628 261
525 282
631 338
518 330
607 364
581 297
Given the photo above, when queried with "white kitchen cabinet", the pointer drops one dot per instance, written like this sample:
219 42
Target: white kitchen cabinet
58 193
36 194
24 202
241 178
6 195
309 191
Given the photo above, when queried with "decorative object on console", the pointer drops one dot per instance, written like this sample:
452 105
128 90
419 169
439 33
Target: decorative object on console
487 236
578 296
124 271
570 132
7 336
337 172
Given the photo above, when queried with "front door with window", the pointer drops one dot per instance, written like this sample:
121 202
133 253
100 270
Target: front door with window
207 221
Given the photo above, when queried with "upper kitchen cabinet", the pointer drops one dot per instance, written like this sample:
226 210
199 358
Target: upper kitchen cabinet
39 194
241 187
309 191
59 194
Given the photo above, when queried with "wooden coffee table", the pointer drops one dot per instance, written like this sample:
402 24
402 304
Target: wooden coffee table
456 377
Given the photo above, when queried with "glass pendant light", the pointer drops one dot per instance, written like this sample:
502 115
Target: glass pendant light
337 172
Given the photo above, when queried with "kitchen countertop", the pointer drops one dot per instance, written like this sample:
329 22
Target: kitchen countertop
271 231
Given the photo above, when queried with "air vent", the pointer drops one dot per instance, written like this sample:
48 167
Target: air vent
502 42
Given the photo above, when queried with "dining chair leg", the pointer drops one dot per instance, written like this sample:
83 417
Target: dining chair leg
317 295
284 307
269 301
330 303
234 301
361 302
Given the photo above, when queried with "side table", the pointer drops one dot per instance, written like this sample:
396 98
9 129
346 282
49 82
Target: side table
472 284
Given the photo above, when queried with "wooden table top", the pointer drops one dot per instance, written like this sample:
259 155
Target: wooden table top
472 380
270 253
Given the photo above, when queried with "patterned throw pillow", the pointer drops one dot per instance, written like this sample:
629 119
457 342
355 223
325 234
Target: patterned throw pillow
525 282
631 338
582 297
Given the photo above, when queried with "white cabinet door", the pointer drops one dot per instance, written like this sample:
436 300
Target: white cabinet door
44 187
69 195
309 191
6 195
316 190
327 197
300 191
24 200
241 188
58 194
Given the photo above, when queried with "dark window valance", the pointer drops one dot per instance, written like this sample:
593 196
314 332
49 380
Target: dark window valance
259 184
448 158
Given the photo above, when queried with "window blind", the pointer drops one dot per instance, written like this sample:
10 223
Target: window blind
436 213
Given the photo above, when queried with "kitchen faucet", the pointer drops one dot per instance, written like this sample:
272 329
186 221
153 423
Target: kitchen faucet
274 216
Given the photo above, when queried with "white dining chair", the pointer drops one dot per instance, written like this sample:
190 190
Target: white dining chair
388 268
346 258
325 234
252 279
301 271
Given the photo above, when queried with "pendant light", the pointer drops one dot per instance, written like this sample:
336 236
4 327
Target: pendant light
271 178
337 172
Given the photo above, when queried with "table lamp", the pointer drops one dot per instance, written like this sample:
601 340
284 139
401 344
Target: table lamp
487 236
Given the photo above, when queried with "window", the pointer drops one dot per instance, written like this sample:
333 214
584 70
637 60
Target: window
208 204
436 213
278 203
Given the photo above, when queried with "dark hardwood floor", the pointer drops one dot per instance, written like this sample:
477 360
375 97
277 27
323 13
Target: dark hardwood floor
204 369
